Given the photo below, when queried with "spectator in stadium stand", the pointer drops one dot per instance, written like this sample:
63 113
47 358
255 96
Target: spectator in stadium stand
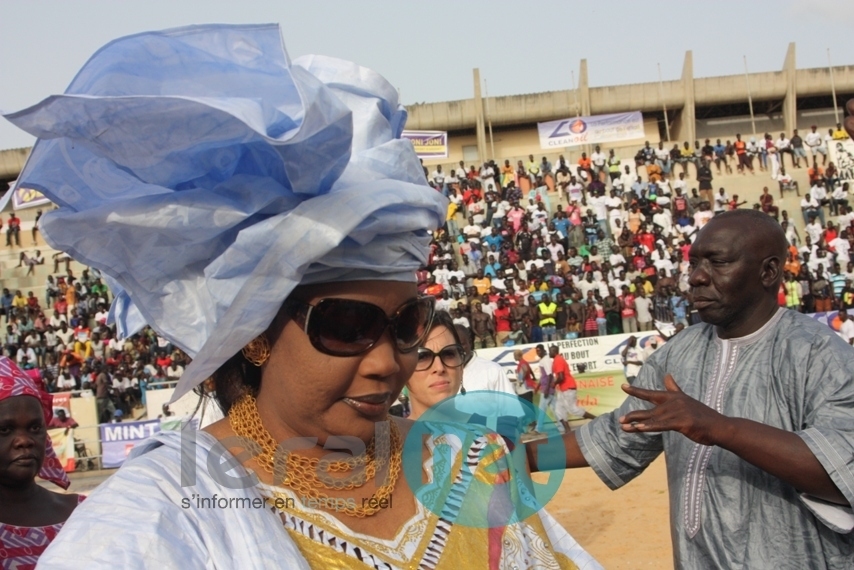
662 159
846 327
798 150
744 162
816 144
755 151
508 174
613 163
598 161
766 200
13 230
482 326
734 204
704 179
786 182
532 169
773 156
545 167
784 146
62 420
585 169
719 151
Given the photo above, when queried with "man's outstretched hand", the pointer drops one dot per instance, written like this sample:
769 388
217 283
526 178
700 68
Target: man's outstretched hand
779 452
674 411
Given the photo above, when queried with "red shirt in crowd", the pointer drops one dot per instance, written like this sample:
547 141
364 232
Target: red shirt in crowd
559 364
502 319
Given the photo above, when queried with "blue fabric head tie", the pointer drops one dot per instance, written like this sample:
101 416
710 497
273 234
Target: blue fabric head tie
207 176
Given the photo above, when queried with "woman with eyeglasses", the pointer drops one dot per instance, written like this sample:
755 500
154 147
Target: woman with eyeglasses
439 372
265 216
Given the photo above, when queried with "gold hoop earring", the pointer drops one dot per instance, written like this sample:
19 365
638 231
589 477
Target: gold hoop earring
258 350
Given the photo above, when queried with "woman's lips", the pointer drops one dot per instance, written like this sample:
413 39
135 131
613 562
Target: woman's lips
25 460
370 405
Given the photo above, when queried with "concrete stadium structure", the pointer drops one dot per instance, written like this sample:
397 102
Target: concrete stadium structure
697 108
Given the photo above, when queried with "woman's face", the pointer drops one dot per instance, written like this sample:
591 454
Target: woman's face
23 436
306 393
431 386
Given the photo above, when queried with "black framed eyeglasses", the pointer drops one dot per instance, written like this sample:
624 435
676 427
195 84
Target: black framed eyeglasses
452 356
346 327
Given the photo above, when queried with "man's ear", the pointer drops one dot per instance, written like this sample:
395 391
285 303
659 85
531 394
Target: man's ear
772 272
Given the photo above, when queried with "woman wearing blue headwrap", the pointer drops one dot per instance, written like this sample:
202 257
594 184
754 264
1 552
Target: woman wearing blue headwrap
266 217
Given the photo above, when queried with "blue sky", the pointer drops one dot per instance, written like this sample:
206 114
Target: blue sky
428 49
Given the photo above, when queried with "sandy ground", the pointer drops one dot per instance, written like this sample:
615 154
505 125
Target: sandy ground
624 529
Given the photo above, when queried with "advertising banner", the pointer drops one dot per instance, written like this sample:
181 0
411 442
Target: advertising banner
63 445
842 155
118 439
599 389
428 144
23 198
62 401
590 130
599 386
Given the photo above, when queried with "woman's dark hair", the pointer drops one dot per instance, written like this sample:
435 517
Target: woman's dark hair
444 319
233 379
237 376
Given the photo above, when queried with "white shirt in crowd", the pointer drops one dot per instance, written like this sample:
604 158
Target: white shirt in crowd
643 306
846 330
813 139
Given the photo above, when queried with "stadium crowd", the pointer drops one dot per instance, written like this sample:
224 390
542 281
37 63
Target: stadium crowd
529 253
538 251
64 342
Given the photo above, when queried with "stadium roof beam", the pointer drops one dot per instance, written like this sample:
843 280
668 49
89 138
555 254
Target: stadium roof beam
788 83
790 106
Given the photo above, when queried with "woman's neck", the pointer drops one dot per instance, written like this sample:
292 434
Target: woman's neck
19 494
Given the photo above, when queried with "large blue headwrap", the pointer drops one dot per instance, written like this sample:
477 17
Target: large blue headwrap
207 176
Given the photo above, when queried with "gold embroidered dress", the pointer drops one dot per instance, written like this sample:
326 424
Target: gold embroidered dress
447 538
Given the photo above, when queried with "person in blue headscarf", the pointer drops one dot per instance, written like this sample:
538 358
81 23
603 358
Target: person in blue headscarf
266 217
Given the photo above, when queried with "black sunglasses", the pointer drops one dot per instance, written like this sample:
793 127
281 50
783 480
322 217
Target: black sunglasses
345 327
452 356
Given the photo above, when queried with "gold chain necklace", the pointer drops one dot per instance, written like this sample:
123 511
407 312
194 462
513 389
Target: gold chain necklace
301 473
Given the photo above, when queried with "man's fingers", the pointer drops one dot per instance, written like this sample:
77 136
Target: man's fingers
638 416
654 396
670 384
638 392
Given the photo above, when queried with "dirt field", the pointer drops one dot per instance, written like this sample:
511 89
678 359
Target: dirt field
624 529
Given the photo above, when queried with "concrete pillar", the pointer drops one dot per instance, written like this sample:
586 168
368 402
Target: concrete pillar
479 119
790 107
583 89
684 128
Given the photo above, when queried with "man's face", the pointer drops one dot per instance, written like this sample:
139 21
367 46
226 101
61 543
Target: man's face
726 274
